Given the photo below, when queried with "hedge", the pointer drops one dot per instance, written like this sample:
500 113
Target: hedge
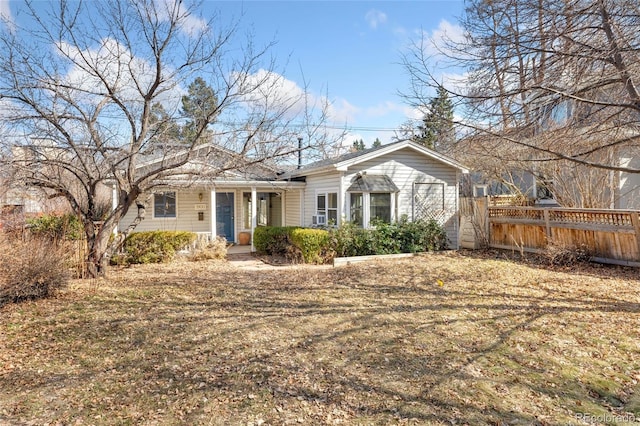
313 243
153 246
319 245
272 240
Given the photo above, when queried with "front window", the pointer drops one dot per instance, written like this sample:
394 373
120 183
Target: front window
380 206
164 204
327 205
356 209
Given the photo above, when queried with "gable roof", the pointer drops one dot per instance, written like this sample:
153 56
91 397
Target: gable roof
212 160
343 162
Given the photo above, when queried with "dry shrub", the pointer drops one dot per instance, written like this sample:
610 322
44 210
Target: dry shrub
32 268
562 255
209 250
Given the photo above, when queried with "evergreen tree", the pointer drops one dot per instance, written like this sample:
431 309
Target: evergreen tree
358 145
436 131
200 107
377 143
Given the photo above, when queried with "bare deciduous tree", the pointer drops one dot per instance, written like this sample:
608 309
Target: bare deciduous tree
82 84
544 81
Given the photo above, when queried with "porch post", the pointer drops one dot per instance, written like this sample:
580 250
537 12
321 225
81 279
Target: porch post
283 203
254 214
214 220
114 205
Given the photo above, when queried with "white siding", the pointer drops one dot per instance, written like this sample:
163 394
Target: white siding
628 196
292 208
275 210
327 182
405 167
186 215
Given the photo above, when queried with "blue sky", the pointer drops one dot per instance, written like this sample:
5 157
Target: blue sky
348 50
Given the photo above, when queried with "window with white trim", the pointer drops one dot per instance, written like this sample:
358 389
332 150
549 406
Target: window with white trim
356 208
327 205
380 206
164 204
368 207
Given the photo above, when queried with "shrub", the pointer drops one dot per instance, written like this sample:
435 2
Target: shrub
272 240
153 246
389 238
385 238
56 227
421 236
313 244
31 269
350 240
210 250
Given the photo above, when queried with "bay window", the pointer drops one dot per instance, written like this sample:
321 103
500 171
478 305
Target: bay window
380 207
356 208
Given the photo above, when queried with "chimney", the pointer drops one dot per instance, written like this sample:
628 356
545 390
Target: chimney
299 152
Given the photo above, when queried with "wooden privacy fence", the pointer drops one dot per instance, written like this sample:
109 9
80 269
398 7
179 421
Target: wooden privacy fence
609 236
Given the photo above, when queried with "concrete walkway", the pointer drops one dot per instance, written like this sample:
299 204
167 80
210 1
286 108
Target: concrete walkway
241 257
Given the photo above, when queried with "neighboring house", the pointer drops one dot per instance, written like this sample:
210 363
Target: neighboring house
384 183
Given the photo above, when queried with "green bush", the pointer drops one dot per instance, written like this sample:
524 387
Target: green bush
32 269
56 227
153 246
350 240
389 238
422 236
273 240
313 243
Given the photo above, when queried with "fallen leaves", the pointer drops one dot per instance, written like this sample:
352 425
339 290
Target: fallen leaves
376 343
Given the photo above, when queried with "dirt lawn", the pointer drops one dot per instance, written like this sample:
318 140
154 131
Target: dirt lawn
449 338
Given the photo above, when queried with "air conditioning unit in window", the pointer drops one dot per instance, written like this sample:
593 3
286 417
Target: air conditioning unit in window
318 220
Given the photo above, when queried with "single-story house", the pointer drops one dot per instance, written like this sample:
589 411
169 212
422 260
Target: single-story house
384 183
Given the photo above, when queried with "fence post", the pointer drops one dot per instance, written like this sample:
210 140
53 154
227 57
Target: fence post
547 227
635 221
486 220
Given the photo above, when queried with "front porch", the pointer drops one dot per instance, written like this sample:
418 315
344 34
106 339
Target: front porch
232 210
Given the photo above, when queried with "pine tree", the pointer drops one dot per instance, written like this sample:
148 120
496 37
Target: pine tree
377 143
358 145
199 106
436 131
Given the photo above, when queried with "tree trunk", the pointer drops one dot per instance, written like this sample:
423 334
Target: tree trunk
97 258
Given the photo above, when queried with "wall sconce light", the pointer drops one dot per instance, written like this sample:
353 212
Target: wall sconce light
200 196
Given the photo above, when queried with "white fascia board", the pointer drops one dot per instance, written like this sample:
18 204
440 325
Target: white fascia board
344 165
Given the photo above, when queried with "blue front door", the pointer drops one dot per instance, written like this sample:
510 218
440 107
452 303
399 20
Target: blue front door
224 215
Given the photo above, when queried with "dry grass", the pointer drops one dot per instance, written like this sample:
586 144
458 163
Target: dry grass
440 339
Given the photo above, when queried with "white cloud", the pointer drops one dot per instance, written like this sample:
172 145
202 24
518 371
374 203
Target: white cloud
190 25
342 111
5 14
441 37
383 109
279 92
375 18
125 73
